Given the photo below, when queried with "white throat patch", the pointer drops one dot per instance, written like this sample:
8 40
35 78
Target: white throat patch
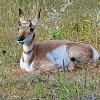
28 48
28 38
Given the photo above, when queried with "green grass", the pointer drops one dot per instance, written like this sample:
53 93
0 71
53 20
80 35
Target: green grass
77 23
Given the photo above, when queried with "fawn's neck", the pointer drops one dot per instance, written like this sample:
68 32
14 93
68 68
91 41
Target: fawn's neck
28 52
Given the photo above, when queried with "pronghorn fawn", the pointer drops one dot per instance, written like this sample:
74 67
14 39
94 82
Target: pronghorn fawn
49 55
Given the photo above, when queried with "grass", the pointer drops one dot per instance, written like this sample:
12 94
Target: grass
77 23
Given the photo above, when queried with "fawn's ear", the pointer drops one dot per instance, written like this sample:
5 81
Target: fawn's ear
36 19
21 16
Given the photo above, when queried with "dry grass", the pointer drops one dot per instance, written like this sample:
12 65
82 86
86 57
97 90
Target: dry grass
77 23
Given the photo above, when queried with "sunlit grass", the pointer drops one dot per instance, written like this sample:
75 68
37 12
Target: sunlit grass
77 23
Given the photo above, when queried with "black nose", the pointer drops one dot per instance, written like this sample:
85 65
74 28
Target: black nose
21 38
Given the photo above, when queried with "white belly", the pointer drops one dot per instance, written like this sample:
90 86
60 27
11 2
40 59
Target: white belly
60 57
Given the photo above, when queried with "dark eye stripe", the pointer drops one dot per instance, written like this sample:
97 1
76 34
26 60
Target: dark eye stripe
31 29
30 25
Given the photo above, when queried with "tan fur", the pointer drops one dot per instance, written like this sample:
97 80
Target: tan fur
81 52
40 50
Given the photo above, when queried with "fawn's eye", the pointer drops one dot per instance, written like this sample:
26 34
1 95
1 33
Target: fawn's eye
31 29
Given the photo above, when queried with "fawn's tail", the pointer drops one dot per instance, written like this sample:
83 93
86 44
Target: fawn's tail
96 55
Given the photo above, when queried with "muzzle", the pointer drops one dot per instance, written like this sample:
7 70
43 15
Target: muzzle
21 39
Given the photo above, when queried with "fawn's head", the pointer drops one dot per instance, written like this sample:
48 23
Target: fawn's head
26 29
